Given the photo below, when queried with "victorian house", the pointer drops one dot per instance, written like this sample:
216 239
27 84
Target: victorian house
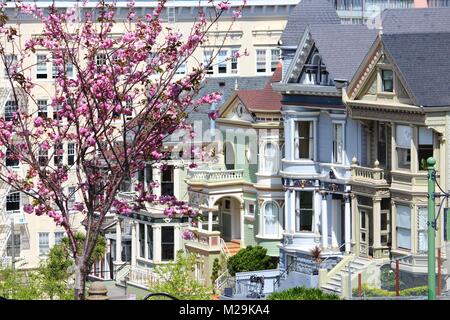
399 98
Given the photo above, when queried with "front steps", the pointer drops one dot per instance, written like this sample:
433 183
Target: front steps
334 284
234 246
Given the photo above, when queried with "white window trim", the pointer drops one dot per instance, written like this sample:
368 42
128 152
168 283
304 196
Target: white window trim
262 234
247 214
276 158
215 63
314 142
343 155
268 61
397 147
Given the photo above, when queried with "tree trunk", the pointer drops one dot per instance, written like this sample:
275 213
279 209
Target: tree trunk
80 279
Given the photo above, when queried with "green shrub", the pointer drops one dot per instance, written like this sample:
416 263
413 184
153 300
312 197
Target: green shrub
368 291
302 293
251 259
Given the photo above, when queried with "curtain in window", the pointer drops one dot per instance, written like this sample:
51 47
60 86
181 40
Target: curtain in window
271 219
403 136
403 227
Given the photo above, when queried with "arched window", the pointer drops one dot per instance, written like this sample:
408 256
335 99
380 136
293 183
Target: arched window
271 219
270 158
229 156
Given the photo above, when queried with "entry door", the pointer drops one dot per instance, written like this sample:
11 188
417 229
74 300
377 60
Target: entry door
226 226
364 233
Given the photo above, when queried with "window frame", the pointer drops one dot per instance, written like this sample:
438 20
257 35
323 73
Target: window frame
296 140
277 222
41 65
13 197
299 210
335 154
43 248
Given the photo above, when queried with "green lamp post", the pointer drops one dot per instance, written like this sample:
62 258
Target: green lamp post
431 230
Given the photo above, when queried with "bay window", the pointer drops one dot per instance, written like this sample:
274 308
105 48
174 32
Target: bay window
425 149
403 227
270 160
271 221
337 142
403 137
304 211
167 243
304 143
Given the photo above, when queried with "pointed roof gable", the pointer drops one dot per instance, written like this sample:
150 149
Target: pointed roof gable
307 12
342 47
423 62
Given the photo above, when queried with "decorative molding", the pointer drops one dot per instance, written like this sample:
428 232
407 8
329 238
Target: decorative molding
366 74
377 113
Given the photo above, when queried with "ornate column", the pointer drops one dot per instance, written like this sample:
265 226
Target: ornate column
317 205
335 213
293 211
118 241
324 213
347 224
133 243
287 209
376 222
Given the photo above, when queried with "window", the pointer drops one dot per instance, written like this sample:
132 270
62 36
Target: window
13 201
234 62
387 80
403 227
167 243
422 229
167 187
304 140
58 155
41 66
425 147
71 197
270 159
275 58
207 60
9 246
337 143
42 108
148 175
181 69
10 60
385 227
59 235
56 112
304 211
382 144
403 141
69 70
43 157
44 245
261 60
251 210
129 109
71 154
10 160
54 70
142 240
271 219
10 110
222 61
149 242
100 59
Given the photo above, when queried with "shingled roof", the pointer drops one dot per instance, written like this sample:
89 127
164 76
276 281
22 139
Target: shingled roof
264 99
307 12
424 63
418 20
342 47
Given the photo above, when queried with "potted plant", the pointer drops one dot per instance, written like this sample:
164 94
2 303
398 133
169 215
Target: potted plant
315 257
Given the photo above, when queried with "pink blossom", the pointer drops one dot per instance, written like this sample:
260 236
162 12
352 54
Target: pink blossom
187 235
237 14
28 208
213 115
38 122
223 5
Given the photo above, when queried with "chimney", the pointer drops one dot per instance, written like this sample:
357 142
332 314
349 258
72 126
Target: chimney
420 4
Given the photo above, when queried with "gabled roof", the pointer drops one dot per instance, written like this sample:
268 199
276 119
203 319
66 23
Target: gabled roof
423 60
307 12
265 99
342 47
421 20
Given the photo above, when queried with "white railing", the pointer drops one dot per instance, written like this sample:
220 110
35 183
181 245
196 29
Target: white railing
143 277
375 174
223 279
224 249
215 175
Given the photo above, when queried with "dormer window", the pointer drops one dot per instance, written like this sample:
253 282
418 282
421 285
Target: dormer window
315 72
387 79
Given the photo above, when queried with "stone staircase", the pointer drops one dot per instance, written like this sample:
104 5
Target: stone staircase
334 283
234 246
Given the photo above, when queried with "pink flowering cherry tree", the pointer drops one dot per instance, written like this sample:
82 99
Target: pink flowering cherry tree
120 101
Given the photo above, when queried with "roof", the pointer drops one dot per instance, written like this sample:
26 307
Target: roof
264 99
429 83
416 20
307 12
342 47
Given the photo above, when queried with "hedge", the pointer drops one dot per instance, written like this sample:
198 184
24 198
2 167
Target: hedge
302 293
368 291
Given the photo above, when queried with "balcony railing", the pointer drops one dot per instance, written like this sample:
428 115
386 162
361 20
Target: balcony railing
215 175
143 277
374 175
206 240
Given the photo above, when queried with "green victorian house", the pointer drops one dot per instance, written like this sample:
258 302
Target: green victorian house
239 194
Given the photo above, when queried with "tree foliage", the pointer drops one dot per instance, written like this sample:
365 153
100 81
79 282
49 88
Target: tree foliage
251 259
302 293
177 279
